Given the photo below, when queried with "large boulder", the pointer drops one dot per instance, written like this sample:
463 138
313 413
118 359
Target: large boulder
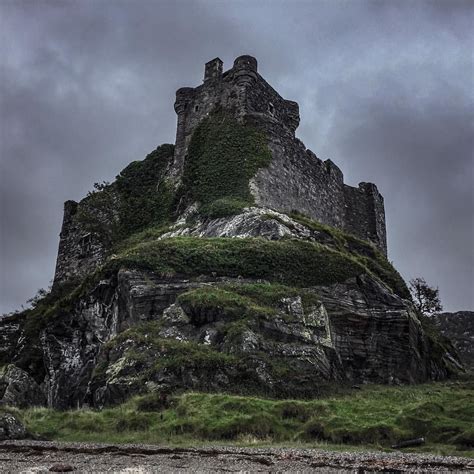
11 427
18 389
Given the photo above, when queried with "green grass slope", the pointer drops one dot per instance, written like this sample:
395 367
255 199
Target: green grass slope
374 417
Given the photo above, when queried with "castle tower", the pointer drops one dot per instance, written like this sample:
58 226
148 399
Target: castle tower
296 179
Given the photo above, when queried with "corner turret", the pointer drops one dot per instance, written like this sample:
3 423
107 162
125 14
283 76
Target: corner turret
249 63
213 70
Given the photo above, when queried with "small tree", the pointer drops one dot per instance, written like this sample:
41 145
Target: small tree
425 297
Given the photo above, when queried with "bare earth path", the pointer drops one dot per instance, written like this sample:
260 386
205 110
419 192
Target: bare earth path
41 456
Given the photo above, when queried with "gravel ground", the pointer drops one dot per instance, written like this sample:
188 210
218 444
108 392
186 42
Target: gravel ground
41 456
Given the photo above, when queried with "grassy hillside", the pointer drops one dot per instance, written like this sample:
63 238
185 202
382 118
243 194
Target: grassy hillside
373 416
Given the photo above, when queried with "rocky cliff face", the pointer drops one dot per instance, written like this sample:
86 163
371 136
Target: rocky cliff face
166 284
459 328
237 318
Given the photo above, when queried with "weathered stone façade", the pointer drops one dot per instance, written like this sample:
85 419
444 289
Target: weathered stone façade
295 180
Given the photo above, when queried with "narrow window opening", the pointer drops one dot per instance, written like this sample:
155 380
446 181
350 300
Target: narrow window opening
196 108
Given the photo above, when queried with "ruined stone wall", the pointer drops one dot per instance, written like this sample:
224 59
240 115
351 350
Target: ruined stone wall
80 252
365 214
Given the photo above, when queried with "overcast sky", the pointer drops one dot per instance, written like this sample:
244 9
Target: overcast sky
385 90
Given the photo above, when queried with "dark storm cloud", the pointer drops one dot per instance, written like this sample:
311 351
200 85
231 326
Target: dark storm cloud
385 90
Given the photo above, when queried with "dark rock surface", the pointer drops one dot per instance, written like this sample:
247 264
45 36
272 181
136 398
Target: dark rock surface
459 328
18 389
11 427
359 332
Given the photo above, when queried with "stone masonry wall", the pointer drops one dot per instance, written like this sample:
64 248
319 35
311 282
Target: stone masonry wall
365 214
80 252
296 179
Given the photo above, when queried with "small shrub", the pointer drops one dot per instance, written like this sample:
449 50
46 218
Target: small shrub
132 421
294 410
153 402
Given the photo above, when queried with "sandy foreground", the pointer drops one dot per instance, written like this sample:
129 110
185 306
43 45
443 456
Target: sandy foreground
41 456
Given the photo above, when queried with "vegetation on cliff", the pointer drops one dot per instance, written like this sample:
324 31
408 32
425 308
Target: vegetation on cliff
132 214
364 252
138 198
292 262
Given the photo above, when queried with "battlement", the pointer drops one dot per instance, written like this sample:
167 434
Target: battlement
213 70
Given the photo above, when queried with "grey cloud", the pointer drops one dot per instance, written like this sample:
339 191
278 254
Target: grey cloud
385 90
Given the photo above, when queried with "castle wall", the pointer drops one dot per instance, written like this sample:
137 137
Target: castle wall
79 251
365 214
296 179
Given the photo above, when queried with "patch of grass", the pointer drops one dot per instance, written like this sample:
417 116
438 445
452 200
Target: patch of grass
271 294
291 262
149 234
211 303
241 303
169 353
363 251
374 416
223 207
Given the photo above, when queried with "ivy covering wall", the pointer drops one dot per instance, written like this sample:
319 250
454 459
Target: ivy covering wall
223 156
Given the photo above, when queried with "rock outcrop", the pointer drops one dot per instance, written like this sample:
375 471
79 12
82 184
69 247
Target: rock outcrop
135 330
459 328
19 389
11 427
234 261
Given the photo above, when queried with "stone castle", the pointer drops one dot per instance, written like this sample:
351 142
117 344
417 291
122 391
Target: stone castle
296 179
253 300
